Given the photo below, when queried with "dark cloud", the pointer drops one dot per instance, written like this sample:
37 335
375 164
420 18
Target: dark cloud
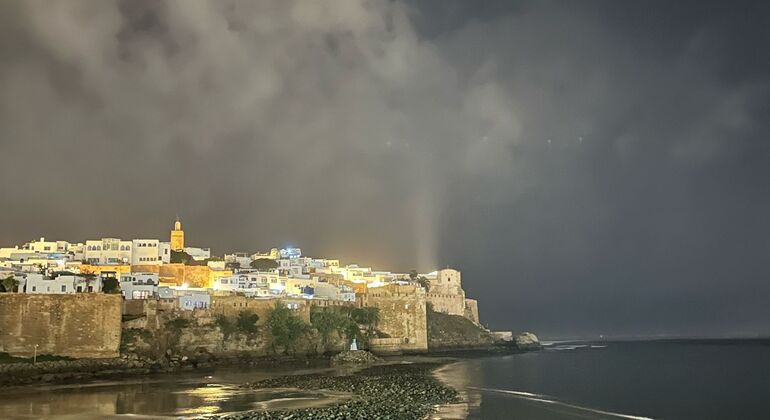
592 167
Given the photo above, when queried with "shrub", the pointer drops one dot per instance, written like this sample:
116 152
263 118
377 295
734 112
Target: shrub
247 322
263 264
110 285
286 327
178 323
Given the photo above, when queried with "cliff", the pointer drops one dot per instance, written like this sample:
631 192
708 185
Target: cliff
454 331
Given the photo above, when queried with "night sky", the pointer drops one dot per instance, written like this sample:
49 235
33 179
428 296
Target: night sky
592 167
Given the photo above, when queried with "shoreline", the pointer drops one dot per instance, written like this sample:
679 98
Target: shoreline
395 390
81 370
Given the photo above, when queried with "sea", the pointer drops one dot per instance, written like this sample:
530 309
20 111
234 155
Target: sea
684 379
672 379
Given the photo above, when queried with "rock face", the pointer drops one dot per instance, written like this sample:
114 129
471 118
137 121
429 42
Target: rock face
453 331
527 341
355 357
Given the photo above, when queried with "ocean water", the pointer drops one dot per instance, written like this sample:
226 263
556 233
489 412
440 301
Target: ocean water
632 380
638 380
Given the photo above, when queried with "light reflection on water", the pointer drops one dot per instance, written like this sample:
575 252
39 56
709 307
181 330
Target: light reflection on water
159 397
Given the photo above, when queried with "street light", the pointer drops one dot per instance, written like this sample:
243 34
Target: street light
34 357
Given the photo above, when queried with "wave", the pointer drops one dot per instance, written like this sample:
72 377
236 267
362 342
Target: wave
549 400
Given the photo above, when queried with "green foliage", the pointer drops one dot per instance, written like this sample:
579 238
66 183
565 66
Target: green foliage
424 282
181 257
329 320
177 323
234 265
346 321
413 274
286 327
9 284
247 322
244 323
110 285
264 264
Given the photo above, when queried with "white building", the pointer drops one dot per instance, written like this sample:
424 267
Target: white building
44 246
251 284
198 254
139 285
107 251
164 252
332 292
38 284
146 252
242 258
194 300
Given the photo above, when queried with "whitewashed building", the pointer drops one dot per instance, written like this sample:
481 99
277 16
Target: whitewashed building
34 283
146 252
139 285
107 251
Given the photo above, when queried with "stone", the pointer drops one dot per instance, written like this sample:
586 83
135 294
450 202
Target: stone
527 341
355 357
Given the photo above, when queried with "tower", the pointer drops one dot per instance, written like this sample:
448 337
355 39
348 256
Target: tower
177 237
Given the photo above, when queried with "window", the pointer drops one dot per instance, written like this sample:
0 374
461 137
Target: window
34 288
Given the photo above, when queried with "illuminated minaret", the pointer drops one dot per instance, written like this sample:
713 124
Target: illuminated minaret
177 237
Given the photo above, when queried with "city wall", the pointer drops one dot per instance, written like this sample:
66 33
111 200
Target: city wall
402 317
82 325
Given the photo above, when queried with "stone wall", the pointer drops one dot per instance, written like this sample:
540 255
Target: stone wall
232 305
150 333
472 310
402 315
452 304
83 325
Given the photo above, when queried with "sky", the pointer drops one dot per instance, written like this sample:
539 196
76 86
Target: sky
592 167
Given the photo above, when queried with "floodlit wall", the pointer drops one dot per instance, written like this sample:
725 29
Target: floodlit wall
84 325
402 316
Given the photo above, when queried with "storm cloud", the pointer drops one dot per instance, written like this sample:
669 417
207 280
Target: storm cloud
592 167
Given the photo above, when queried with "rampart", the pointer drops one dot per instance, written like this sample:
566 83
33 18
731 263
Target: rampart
83 325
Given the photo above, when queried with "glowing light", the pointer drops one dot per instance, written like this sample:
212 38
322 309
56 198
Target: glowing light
184 286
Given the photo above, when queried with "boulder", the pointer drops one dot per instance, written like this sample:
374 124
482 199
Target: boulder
527 341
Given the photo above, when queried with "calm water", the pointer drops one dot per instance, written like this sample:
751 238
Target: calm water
170 396
622 380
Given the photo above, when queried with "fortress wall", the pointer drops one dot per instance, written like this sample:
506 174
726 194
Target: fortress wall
83 325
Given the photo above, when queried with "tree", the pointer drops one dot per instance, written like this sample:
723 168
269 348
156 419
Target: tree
413 274
264 264
181 257
368 317
110 285
9 284
329 320
234 265
424 282
226 326
247 322
286 328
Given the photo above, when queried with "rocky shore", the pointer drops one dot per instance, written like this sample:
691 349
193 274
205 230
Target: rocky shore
397 391
12 374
